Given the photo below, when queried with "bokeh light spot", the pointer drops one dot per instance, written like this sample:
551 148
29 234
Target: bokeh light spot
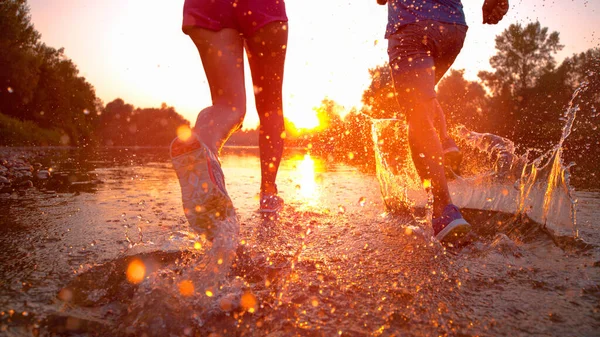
136 271
184 132
249 302
186 288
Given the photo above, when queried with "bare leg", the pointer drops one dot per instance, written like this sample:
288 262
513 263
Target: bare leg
426 151
440 121
451 153
222 55
266 55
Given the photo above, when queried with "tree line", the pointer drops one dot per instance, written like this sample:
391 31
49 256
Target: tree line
44 101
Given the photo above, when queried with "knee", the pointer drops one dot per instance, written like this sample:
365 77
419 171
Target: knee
222 115
239 112
421 115
236 109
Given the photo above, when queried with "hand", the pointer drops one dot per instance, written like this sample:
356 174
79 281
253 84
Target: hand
494 11
382 2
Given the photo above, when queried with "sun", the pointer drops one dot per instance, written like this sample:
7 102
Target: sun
304 120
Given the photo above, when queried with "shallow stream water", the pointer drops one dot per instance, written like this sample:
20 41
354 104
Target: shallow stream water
334 263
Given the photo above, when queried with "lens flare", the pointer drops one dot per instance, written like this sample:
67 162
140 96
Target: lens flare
184 132
136 271
314 302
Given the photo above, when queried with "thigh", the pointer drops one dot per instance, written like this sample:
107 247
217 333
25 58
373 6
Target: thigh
412 66
222 55
266 51
449 42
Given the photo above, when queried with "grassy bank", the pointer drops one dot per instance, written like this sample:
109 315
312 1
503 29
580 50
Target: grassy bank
14 132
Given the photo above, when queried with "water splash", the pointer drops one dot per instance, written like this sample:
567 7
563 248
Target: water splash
493 177
172 291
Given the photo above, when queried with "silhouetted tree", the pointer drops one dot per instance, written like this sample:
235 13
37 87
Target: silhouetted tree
19 61
524 56
583 145
113 124
463 102
379 98
328 136
39 83
122 125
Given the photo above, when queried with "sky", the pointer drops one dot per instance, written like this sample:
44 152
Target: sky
135 49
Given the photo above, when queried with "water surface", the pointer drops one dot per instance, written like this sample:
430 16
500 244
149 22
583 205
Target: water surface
334 263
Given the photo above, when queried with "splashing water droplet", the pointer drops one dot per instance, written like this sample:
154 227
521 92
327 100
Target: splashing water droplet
426 183
341 209
362 201
422 155
86 111
10 90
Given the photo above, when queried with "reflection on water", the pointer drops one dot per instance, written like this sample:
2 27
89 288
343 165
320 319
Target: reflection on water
307 184
121 260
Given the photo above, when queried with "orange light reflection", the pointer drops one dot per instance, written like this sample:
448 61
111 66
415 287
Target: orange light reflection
307 187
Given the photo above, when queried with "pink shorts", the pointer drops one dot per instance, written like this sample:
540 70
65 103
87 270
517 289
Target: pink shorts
246 16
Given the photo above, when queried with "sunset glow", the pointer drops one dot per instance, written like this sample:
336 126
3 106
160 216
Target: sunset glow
308 120
136 50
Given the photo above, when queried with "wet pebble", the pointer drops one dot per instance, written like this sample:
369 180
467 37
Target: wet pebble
21 170
43 174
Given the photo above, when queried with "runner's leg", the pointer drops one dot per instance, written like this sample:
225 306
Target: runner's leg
222 57
266 55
